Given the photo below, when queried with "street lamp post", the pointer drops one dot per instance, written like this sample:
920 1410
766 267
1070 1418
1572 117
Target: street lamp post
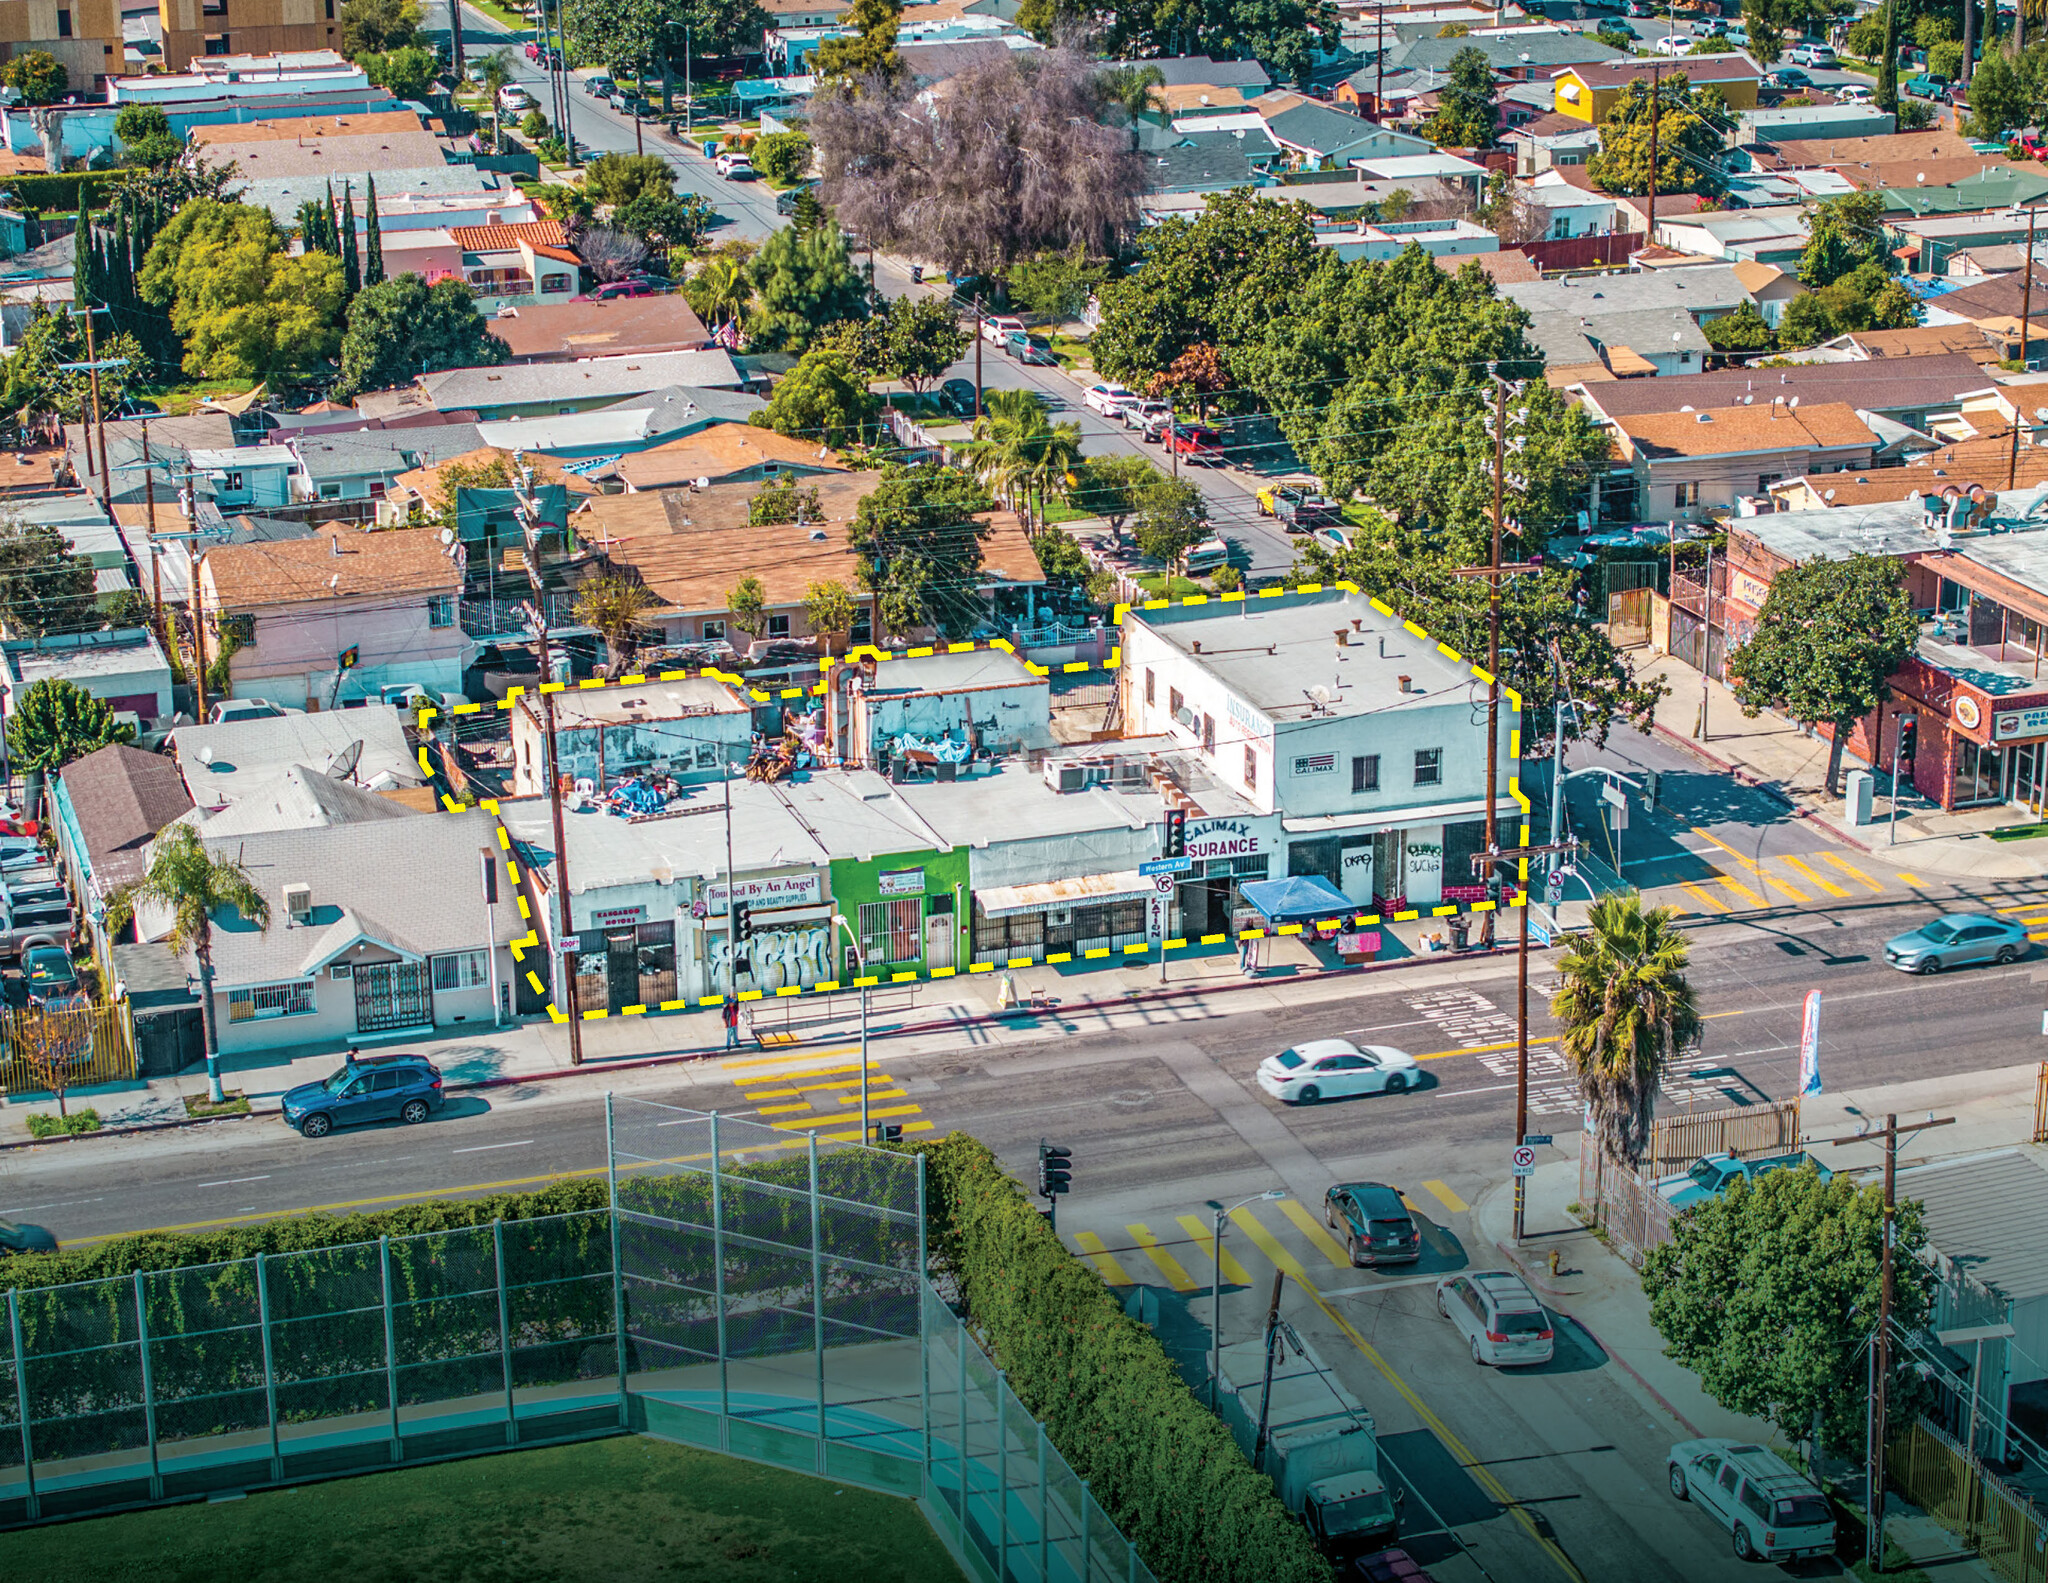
1216 1310
861 966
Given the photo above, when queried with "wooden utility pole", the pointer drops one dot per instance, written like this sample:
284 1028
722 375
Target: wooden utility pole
566 927
1880 1339
1650 235
156 573
1500 440
979 339
2012 465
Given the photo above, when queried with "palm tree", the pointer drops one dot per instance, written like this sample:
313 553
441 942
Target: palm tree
720 292
1130 87
1022 448
1627 1010
193 884
615 608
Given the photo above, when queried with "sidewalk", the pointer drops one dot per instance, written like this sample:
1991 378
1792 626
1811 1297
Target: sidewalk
1053 1002
1771 751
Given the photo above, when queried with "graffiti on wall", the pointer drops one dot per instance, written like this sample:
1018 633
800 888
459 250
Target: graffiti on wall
779 959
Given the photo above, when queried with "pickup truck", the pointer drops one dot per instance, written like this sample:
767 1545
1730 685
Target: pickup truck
1709 1177
33 924
1298 511
1928 85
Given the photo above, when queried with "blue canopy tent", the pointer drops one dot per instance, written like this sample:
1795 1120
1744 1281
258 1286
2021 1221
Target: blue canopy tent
1300 898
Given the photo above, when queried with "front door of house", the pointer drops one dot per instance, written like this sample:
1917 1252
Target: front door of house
393 995
938 940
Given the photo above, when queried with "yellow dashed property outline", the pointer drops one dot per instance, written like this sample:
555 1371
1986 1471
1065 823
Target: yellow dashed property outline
530 941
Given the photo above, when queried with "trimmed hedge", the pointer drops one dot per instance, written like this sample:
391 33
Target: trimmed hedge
49 194
1163 1466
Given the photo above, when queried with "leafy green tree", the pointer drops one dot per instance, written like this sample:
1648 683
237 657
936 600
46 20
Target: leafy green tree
829 608
918 541
1626 1011
1022 452
1282 35
146 136
722 292
820 399
1843 233
1129 86
1888 61
403 327
784 500
924 339
746 602
1055 284
408 72
373 238
1866 36
616 606
666 221
864 343
804 283
626 33
869 52
44 587
1172 518
244 306
1766 34
1806 322
620 178
1110 487
1690 125
1061 557
1615 36
193 885
2001 98
1743 330
1829 637
533 125
1946 59
37 75
35 383
55 721
782 156
1769 1292
371 27
1465 110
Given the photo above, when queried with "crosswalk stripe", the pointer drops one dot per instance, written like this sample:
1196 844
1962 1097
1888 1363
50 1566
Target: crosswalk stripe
2025 906
1233 1272
1912 879
1329 1246
1706 898
1269 1245
873 1115
1446 1197
2036 921
793 1089
1742 890
855 1135
1176 1276
1100 1256
1827 885
1769 878
1850 869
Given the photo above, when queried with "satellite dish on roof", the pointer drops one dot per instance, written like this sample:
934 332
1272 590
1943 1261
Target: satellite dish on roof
345 762
206 755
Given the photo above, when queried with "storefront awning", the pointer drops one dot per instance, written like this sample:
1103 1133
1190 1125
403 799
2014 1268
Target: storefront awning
1001 901
1300 898
1505 808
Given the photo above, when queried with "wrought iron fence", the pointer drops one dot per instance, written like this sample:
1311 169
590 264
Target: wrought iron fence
91 1044
2006 1530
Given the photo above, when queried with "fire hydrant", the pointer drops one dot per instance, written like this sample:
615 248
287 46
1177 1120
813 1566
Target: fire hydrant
1556 1258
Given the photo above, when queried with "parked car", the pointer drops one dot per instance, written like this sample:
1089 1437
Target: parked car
1375 1221
1771 1513
1787 77
1853 93
1928 85
403 1088
549 59
1815 55
1028 348
957 397
999 328
599 87
16 1237
1956 938
735 167
1639 8
1206 556
1499 1317
514 100
533 49
618 288
1709 1176
1334 1068
1146 415
49 975
1106 398
231 709
1196 442
1674 44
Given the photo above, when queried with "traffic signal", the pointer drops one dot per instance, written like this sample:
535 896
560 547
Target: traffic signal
888 1132
1653 788
1055 1170
742 921
1176 833
1908 731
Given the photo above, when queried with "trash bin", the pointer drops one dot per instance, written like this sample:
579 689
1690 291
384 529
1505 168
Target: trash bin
711 148
1461 925
917 274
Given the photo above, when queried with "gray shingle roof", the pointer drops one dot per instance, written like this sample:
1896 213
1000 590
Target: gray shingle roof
301 798
1187 71
411 885
1317 127
224 762
386 451
600 378
1505 51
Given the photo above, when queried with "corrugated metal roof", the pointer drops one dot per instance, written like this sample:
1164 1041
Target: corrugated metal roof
1986 1215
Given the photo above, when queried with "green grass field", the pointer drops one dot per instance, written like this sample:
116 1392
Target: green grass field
622 1510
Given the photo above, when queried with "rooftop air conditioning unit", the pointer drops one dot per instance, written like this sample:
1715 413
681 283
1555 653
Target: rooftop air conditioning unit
298 901
1066 777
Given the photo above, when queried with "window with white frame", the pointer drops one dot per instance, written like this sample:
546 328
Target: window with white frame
1683 495
441 610
461 970
261 1002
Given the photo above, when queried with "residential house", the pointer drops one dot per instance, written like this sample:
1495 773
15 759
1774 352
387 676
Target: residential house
299 797
1586 93
1574 208
1462 175
603 435
377 930
2005 189
314 127
1389 239
1370 748
1316 134
1984 461
636 326
1705 293
362 466
1770 288
341 613
1633 344
246 477
222 764
424 197
1772 235
1778 124
548 389
123 667
1551 141
1867 346
1182 71
1926 244
1692 462
106 807
1241 153
1909 391
519 263
1991 305
724 453
1515 56
685 729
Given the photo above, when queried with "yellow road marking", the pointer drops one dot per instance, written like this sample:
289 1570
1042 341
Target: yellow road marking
1267 1243
1233 1272
2039 918
1332 1249
2039 935
736 1063
1831 888
1743 891
2025 906
1170 1267
1912 879
1443 1195
807 1088
1754 867
1706 898
1851 870
1103 1260
873 1115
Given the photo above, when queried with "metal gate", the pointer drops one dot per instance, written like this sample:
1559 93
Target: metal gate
393 995
1688 645
1628 617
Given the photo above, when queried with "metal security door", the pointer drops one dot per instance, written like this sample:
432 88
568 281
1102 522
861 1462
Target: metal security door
393 995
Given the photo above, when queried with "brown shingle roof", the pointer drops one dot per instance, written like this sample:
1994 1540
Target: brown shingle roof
717 451
562 331
337 563
1934 143
1901 382
122 796
1724 431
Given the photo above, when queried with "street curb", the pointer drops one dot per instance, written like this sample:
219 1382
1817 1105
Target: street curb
894 1030
1657 1396
1529 1271
1747 777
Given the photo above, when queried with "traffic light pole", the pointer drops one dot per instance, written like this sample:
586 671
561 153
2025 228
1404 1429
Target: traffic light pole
1902 729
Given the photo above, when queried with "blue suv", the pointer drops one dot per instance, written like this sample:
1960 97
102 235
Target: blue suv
377 1088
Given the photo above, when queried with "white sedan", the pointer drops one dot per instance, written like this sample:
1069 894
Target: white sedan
1334 1069
1106 398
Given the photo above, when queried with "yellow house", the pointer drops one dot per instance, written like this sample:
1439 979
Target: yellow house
1585 93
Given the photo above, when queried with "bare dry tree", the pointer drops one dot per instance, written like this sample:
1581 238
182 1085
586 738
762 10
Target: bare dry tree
1006 159
53 1045
611 255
